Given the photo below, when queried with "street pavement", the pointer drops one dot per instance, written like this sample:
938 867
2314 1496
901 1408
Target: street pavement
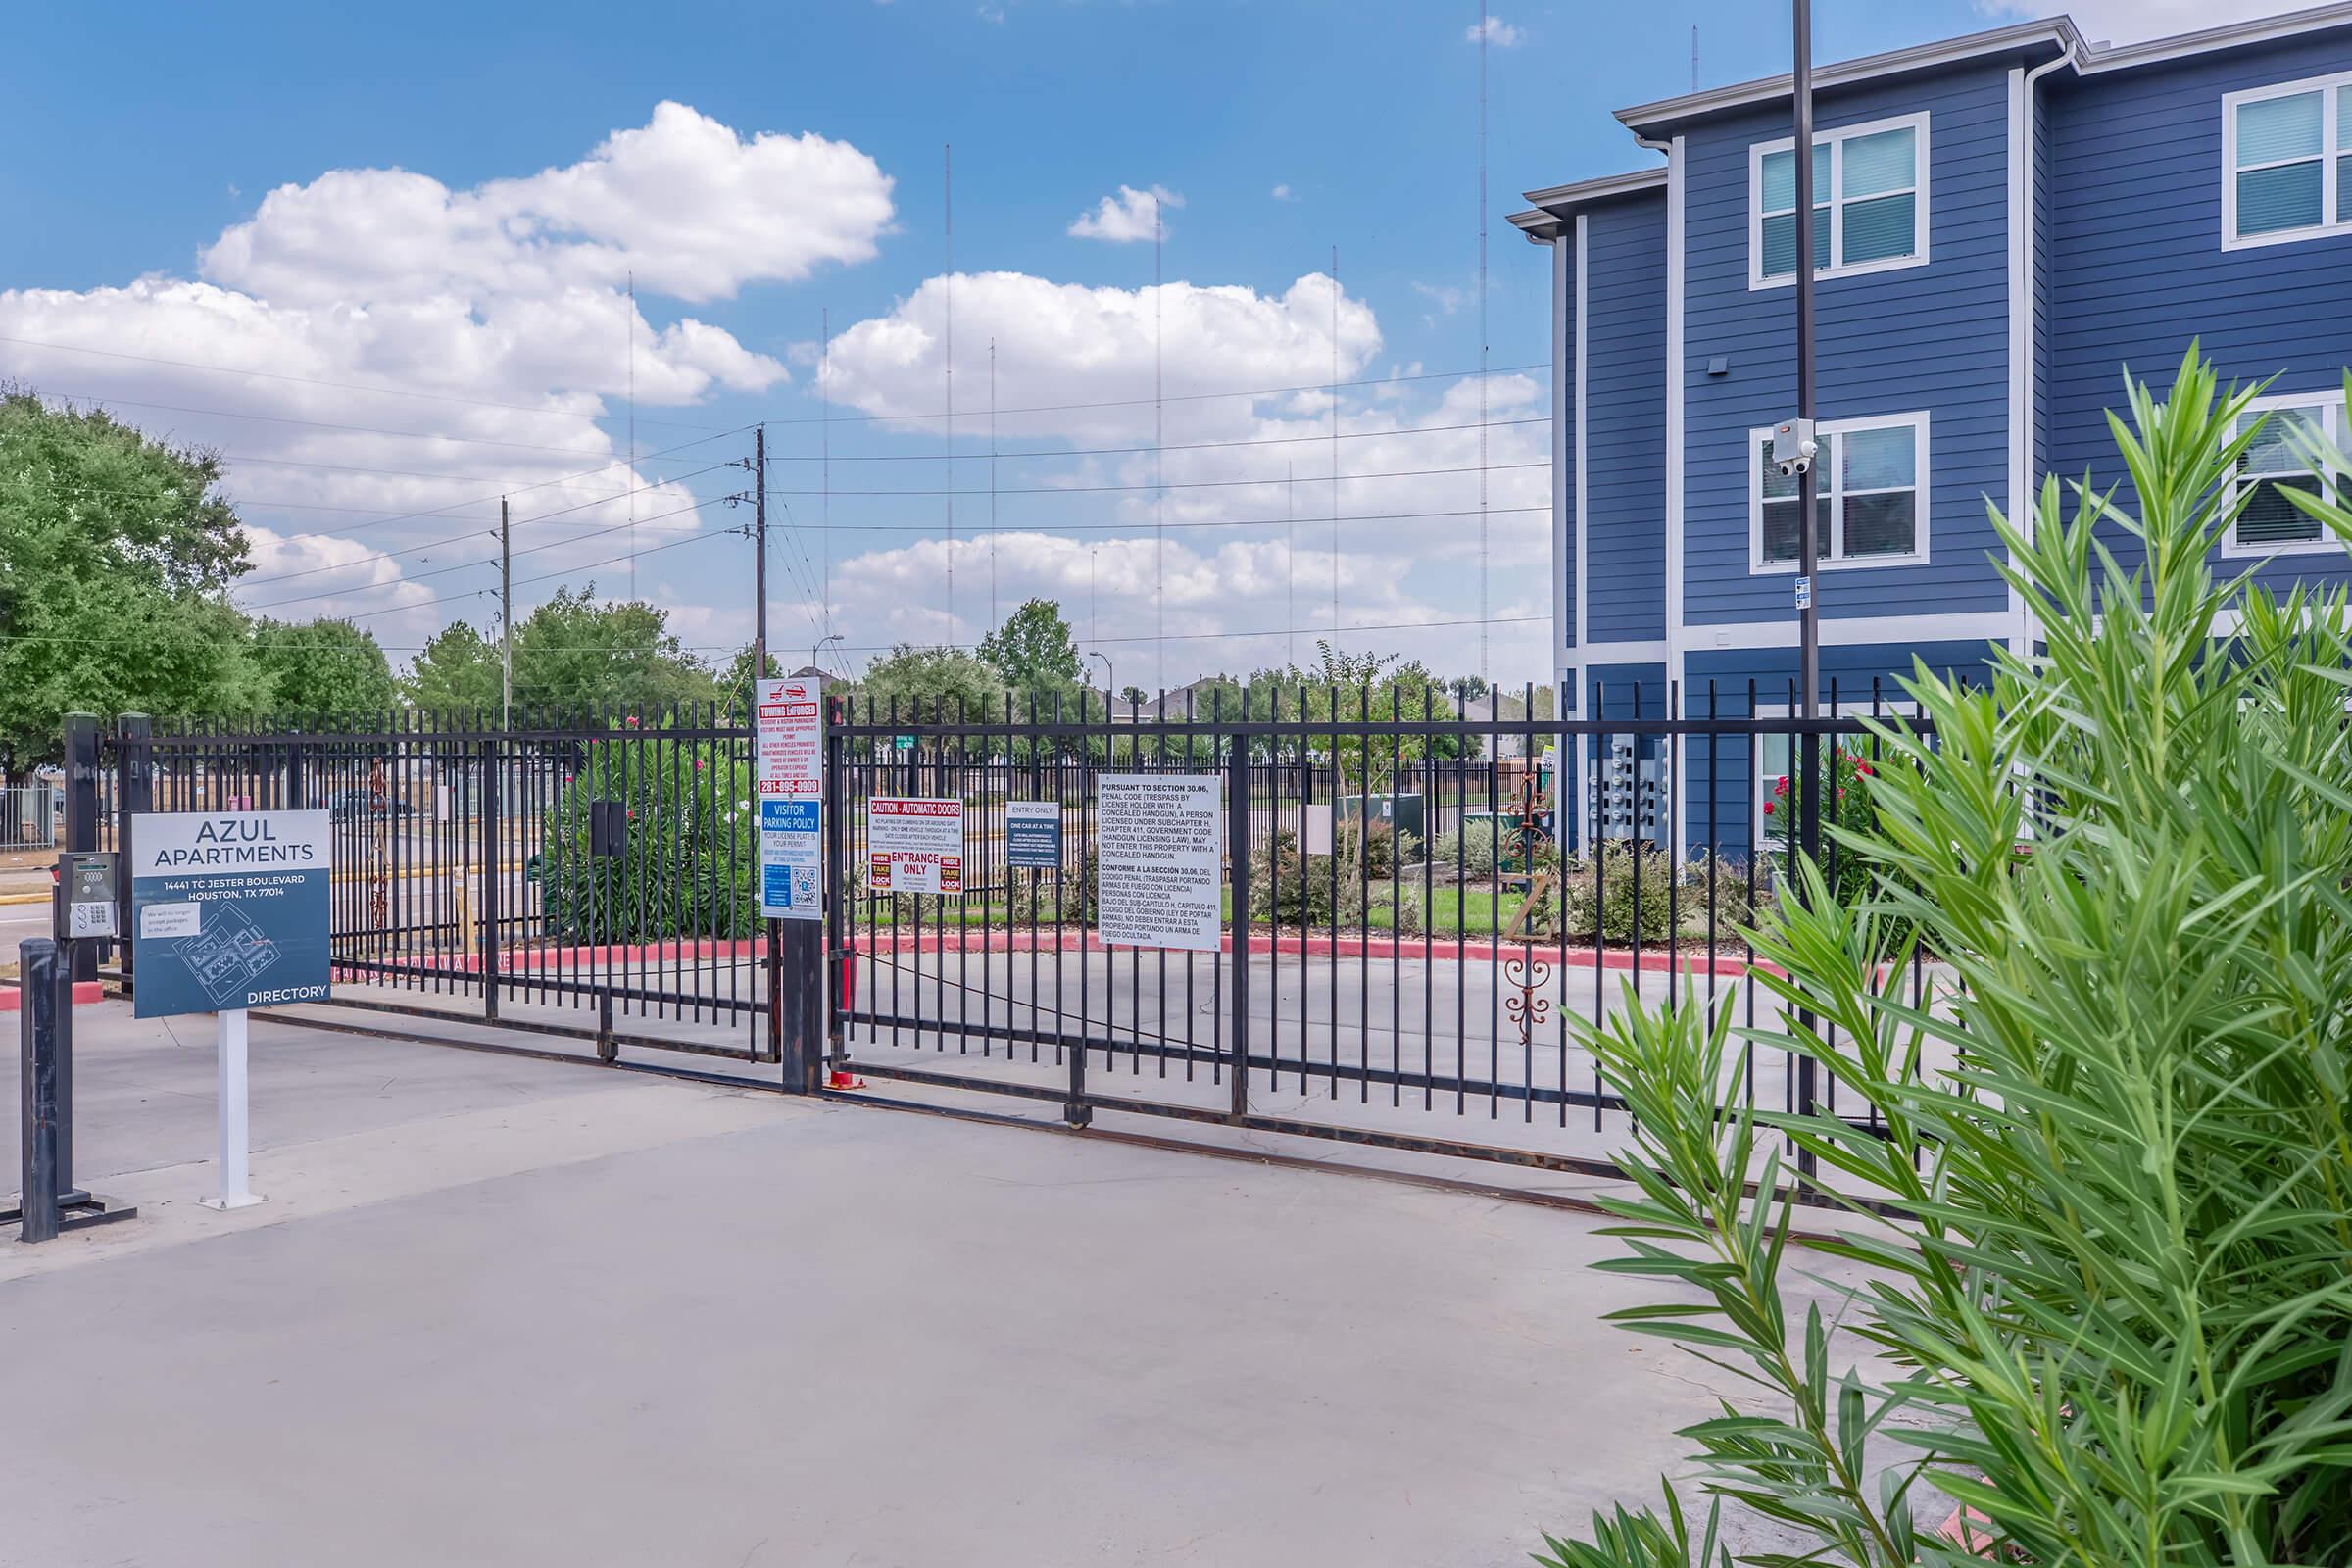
498 1310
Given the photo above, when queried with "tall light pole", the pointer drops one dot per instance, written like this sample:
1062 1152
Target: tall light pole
1808 809
816 654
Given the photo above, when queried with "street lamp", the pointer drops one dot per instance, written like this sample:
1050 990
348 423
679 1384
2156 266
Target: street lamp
817 655
1111 686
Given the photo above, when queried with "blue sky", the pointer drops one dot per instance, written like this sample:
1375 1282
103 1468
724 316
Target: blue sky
490 279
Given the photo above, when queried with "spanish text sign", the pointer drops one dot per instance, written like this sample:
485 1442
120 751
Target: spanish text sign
228 909
915 844
1160 853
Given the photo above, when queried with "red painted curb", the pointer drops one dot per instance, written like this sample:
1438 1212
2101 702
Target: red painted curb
85 992
1312 947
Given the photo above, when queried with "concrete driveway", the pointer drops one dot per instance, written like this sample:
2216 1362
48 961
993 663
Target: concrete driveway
507 1312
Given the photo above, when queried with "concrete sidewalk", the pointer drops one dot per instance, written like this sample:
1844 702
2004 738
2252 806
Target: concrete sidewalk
510 1311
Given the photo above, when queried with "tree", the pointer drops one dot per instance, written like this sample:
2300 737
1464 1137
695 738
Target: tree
1372 687
735 682
116 555
2098 1282
1133 696
458 672
321 669
575 655
1035 652
1467 689
927 682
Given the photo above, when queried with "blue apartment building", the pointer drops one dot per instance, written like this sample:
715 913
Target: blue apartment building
2004 222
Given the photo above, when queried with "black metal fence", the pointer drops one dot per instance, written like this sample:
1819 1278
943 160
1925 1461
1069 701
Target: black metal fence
1409 987
1412 906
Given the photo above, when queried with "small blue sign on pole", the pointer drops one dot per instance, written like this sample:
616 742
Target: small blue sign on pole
230 909
791 852
1033 835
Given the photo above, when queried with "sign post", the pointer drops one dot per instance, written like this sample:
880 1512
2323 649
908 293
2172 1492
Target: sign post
229 912
789 768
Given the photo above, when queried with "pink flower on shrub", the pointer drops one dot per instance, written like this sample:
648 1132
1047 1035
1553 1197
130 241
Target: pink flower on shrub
1767 807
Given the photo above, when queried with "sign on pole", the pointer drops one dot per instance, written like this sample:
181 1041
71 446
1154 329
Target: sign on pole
1033 835
915 844
1158 853
228 909
790 767
229 912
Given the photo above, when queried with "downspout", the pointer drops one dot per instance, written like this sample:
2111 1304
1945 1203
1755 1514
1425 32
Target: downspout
2026 503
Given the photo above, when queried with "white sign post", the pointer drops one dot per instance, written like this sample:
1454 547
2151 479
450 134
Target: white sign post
231 1036
1158 852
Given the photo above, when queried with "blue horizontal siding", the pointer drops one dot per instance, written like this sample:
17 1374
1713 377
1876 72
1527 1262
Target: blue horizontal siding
2136 269
1625 420
1723 682
1931 337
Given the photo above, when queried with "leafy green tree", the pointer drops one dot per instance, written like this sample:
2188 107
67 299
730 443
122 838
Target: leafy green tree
928 681
2099 1256
1035 653
1371 687
1467 689
1133 696
576 655
460 671
321 669
115 554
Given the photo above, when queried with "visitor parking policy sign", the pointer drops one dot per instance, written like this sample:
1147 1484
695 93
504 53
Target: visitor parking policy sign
228 909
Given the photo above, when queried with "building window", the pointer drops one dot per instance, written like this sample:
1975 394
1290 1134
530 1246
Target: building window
1869 206
1775 800
2275 462
1869 496
2286 162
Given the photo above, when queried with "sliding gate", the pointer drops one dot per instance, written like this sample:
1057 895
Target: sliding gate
590 879
1414 909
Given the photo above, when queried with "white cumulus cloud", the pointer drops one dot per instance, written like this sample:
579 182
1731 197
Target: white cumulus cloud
1128 215
400 352
1495 31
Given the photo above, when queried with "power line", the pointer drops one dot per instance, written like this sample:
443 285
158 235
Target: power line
110 400
552 577
1173 446
340 386
1050 529
1176 484
1184 397
463 566
1222 636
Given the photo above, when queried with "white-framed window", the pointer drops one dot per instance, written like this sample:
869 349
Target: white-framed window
1869 496
1869 207
2286 162
2275 462
1775 768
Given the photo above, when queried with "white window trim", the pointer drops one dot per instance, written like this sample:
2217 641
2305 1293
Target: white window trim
2331 148
1757 822
1832 556
2333 403
1833 143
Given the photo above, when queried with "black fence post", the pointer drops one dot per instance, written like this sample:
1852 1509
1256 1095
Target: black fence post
493 846
82 816
1237 875
40 977
134 793
1808 831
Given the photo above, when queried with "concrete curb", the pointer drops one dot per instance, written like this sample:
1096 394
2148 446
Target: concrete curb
85 992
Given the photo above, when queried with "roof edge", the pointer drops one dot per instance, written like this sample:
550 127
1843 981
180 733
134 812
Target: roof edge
1600 189
2058 31
2229 35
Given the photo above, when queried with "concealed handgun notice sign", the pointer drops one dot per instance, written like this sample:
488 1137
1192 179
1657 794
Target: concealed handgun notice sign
228 909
